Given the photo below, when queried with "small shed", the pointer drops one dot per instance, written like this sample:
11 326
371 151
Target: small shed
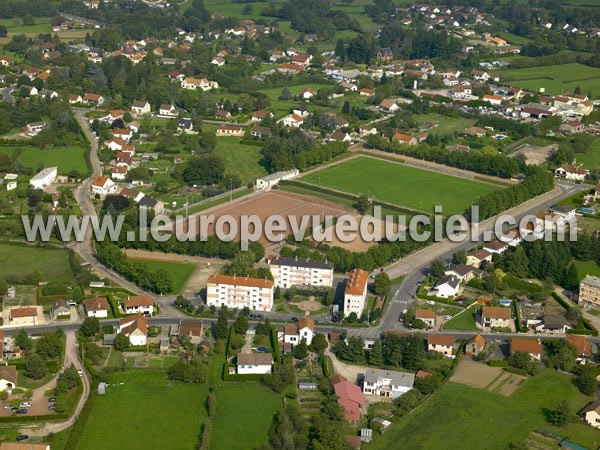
164 344
174 331
366 435
108 339
102 388
307 386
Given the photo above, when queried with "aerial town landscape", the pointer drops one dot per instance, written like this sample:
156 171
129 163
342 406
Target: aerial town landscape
139 310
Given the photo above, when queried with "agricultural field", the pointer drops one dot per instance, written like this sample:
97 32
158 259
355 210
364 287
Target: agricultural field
245 161
402 185
555 79
244 415
66 159
493 421
162 413
179 271
47 264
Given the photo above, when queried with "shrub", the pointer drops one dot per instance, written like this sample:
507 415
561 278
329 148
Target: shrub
498 363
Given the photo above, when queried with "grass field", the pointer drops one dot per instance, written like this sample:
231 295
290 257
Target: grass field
280 106
48 264
591 158
555 79
464 321
587 268
244 414
486 420
241 160
148 412
65 158
444 125
400 184
179 271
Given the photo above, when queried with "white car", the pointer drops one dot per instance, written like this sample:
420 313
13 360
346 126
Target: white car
25 405
80 372
448 317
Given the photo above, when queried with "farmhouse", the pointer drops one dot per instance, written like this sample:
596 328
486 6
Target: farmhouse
532 347
448 286
350 398
387 383
138 304
355 293
230 130
427 316
44 178
272 179
135 328
240 292
254 363
296 271
495 316
96 307
441 343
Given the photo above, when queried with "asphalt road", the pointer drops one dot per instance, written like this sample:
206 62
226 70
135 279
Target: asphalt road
6 94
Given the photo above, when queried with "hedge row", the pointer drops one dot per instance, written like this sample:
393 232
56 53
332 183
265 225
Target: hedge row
26 418
498 363
275 346
515 371
80 425
252 142
519 326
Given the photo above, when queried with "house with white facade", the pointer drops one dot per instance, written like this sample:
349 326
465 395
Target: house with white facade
387 383
291 121
296 271
44 178
140 108
441 343
103 186
240 292
448 286
138 304
270 180
96 307
254 363
135 328
355 293
427 316
571 172
293 334
496 317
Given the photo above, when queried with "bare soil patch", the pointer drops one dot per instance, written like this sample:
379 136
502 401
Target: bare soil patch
475 374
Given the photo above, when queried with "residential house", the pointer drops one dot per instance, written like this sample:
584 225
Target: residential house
261 114
288 272
581 343
119 173
221 114
554 323
260 132
387 383
495 100
92 99
474 345
301 110
350 397
384 54
195 84
302 60
60 309
140 108
254 363
367 129
367 92
151 204
533 347
339 136
591 414
355 293
218 61
44 178
22 316
102 186
589 291
348 87
230 130
447 286
135 328
191 328
389 105
572 126
48 93
34 128
307 93
24 446
474 131
96 307
404 138
123 133
240 292
291 121
290 68
6 61
441 343
132 194
427 316
74 98
292 334
571 172
138 304
496 317
185 126
167 110
463 272
496 247
478 258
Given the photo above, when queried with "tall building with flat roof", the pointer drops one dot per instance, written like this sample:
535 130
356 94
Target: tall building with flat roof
240 292
589 290
289 272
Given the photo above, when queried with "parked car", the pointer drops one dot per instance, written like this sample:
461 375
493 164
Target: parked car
22 437
430 302
448 317
51 399
21 411
80 372
7 407
25 405
294 319
51 407
261 316
72 303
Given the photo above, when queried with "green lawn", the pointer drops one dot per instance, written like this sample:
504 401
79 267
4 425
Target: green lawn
179 271
244 415
23 260
146 411
445 125
464 321
591 158
400 184
459 416
245 161
280 106
555 79
15 26
65 158
587 268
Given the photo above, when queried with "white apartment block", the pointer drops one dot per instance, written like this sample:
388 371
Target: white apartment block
239 292
355 294
589 290
289 272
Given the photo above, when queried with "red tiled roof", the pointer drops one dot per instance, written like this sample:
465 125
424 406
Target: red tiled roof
137 300
96 304
425 313
496 312
526 345
23 312
580 342
440 339
357 280
306 322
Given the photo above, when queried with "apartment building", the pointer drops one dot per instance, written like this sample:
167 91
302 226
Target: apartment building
355 293
589 290
240 292
289 272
